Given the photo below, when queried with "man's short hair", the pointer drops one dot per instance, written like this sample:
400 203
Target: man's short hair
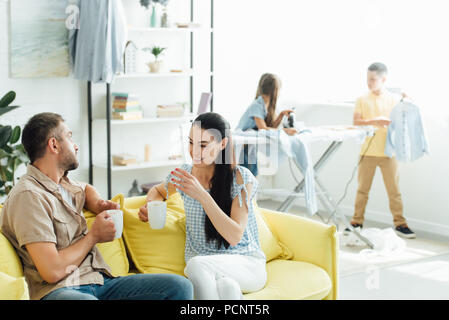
37 131
378 67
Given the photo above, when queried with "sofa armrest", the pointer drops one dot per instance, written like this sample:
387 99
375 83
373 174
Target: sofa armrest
310 241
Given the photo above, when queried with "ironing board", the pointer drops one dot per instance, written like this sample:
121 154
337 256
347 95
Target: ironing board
335 135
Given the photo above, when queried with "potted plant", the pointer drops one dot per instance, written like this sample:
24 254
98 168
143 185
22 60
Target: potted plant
156 64
12 153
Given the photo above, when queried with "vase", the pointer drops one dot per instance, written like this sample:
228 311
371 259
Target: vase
153 17
164 19
155 66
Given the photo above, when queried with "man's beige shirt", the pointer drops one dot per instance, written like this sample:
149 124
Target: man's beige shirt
35 211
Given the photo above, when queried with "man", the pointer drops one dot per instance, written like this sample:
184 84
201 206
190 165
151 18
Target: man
42 217
374 109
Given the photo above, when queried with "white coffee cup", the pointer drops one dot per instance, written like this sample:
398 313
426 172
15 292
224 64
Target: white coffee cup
117 217
157 212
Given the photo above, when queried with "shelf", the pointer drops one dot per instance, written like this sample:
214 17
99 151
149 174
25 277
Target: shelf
149 120
143 165
172 29
154 75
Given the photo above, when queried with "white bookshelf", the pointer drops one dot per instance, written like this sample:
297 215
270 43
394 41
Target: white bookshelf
155 75
112 135
142 165
148 120
169 30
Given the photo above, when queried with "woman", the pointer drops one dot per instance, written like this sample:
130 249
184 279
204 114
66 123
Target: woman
261 114
223 255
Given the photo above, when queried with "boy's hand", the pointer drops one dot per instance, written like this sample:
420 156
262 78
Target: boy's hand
381 121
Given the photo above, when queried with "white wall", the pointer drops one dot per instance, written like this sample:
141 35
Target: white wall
320 50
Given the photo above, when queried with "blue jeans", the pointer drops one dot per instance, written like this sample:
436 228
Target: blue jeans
133 287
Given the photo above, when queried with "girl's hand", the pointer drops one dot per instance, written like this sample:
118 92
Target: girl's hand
286 112
188 184
290 131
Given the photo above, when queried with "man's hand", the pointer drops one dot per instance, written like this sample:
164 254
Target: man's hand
95 204
103 228
103 205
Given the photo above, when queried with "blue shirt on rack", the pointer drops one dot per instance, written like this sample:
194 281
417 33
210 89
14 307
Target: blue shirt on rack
97 47
406 136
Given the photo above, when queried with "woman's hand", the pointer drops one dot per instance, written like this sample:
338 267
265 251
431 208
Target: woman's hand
188 184
143 213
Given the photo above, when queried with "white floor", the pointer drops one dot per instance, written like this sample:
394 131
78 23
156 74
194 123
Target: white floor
424 279
421 272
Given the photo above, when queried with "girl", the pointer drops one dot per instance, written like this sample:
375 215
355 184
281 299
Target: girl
261 114
223 255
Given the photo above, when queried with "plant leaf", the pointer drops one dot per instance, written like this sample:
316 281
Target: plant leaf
15 136
5 135
9 175
7 99
3 154
7 109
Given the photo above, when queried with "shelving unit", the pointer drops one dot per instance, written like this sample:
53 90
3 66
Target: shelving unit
110 123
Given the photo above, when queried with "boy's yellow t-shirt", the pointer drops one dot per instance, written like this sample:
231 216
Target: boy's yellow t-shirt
371 106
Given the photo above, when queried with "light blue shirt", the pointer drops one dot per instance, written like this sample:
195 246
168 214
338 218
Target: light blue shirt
256 110
196 243
97 47
406 136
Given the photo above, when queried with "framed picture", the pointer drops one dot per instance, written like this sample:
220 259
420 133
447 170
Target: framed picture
38 39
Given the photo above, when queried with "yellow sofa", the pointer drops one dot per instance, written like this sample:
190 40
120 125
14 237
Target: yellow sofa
301 253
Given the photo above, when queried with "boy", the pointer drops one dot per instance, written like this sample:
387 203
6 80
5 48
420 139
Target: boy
374 109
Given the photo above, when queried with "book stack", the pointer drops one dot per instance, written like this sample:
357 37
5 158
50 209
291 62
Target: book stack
175 110
126 106
124 159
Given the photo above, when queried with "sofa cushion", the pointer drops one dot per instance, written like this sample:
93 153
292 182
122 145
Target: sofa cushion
114 252
293 280
157 250
268 242
9 260
12 288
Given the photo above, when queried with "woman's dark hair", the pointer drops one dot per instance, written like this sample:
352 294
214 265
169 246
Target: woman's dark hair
221 181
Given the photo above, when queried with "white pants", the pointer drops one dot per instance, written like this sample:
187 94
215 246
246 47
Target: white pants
225 276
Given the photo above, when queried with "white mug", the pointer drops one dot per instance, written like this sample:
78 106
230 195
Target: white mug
117 217
157 212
